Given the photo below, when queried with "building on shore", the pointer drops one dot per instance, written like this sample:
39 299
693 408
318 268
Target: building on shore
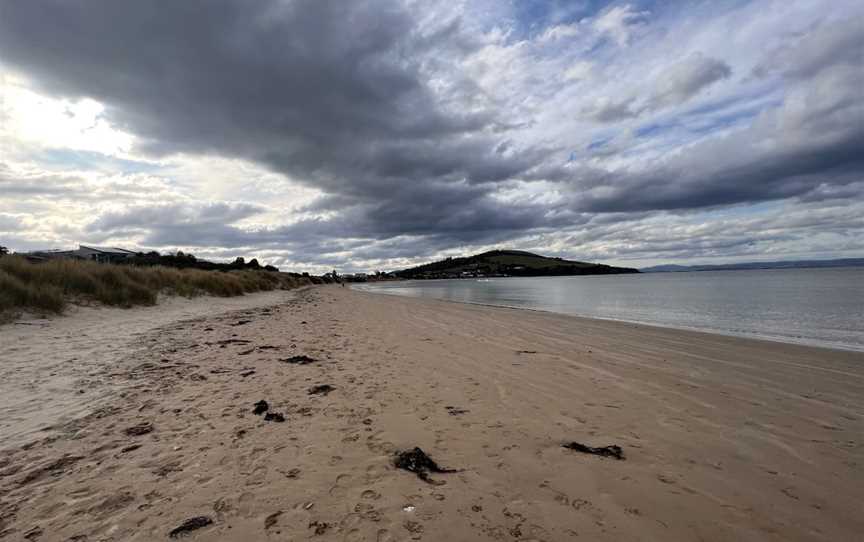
91 253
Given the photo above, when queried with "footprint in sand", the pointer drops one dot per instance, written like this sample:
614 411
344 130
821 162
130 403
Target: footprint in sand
367 512
338 489
247 507
224 507
258 476
112 504
375 473
81 493
354 535
415 528
379 446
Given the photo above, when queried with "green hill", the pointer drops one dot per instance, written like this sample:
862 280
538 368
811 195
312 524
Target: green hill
507 263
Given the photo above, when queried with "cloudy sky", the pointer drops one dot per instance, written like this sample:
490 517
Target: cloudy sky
370 135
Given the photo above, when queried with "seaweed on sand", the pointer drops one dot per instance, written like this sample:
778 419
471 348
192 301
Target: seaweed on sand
137 430
604 451
190 524
419 463
298 360
321 389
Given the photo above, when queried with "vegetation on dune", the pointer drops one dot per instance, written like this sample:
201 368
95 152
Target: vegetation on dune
183 260
50 286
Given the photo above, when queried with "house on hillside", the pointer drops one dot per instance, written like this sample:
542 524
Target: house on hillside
92 253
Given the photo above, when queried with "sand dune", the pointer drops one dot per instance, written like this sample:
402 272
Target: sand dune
724 438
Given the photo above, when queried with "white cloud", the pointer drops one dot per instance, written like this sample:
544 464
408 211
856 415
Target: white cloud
681 81
561 31
620 22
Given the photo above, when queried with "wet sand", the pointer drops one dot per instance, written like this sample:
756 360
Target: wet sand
724 438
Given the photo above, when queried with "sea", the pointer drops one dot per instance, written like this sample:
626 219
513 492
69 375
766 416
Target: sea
819 307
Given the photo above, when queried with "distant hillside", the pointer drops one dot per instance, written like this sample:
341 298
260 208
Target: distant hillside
799 264
507 263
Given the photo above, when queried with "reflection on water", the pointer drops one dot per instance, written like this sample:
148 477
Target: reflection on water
814 306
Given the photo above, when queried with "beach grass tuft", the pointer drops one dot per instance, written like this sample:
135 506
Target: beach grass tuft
49 286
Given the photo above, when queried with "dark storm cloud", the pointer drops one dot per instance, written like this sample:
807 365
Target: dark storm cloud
826 192
184 224
697 180
332 93
189 224
815 139
177 214
362 101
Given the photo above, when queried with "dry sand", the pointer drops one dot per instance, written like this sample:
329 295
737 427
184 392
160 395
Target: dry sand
724 438
52 368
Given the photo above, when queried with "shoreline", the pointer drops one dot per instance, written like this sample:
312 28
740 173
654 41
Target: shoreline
723 438
782 339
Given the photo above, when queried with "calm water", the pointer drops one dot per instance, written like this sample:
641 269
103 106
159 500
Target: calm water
822 307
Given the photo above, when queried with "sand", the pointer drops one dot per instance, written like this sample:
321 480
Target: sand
724 438
51 368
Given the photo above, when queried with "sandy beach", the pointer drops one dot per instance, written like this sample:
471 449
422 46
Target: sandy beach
723 438
54 368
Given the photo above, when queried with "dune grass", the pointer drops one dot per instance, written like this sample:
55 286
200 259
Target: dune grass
50 286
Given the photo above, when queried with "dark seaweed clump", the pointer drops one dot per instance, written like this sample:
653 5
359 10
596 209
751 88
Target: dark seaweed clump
604 451
261 407
419 463
321 389
190 524
274 417
298 360
138 430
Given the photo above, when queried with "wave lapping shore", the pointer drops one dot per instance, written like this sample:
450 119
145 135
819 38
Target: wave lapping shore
722 438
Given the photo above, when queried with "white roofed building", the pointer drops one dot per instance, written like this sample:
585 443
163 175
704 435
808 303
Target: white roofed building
84 252
102 254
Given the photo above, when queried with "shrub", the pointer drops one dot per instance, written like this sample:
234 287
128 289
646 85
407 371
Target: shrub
16 294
